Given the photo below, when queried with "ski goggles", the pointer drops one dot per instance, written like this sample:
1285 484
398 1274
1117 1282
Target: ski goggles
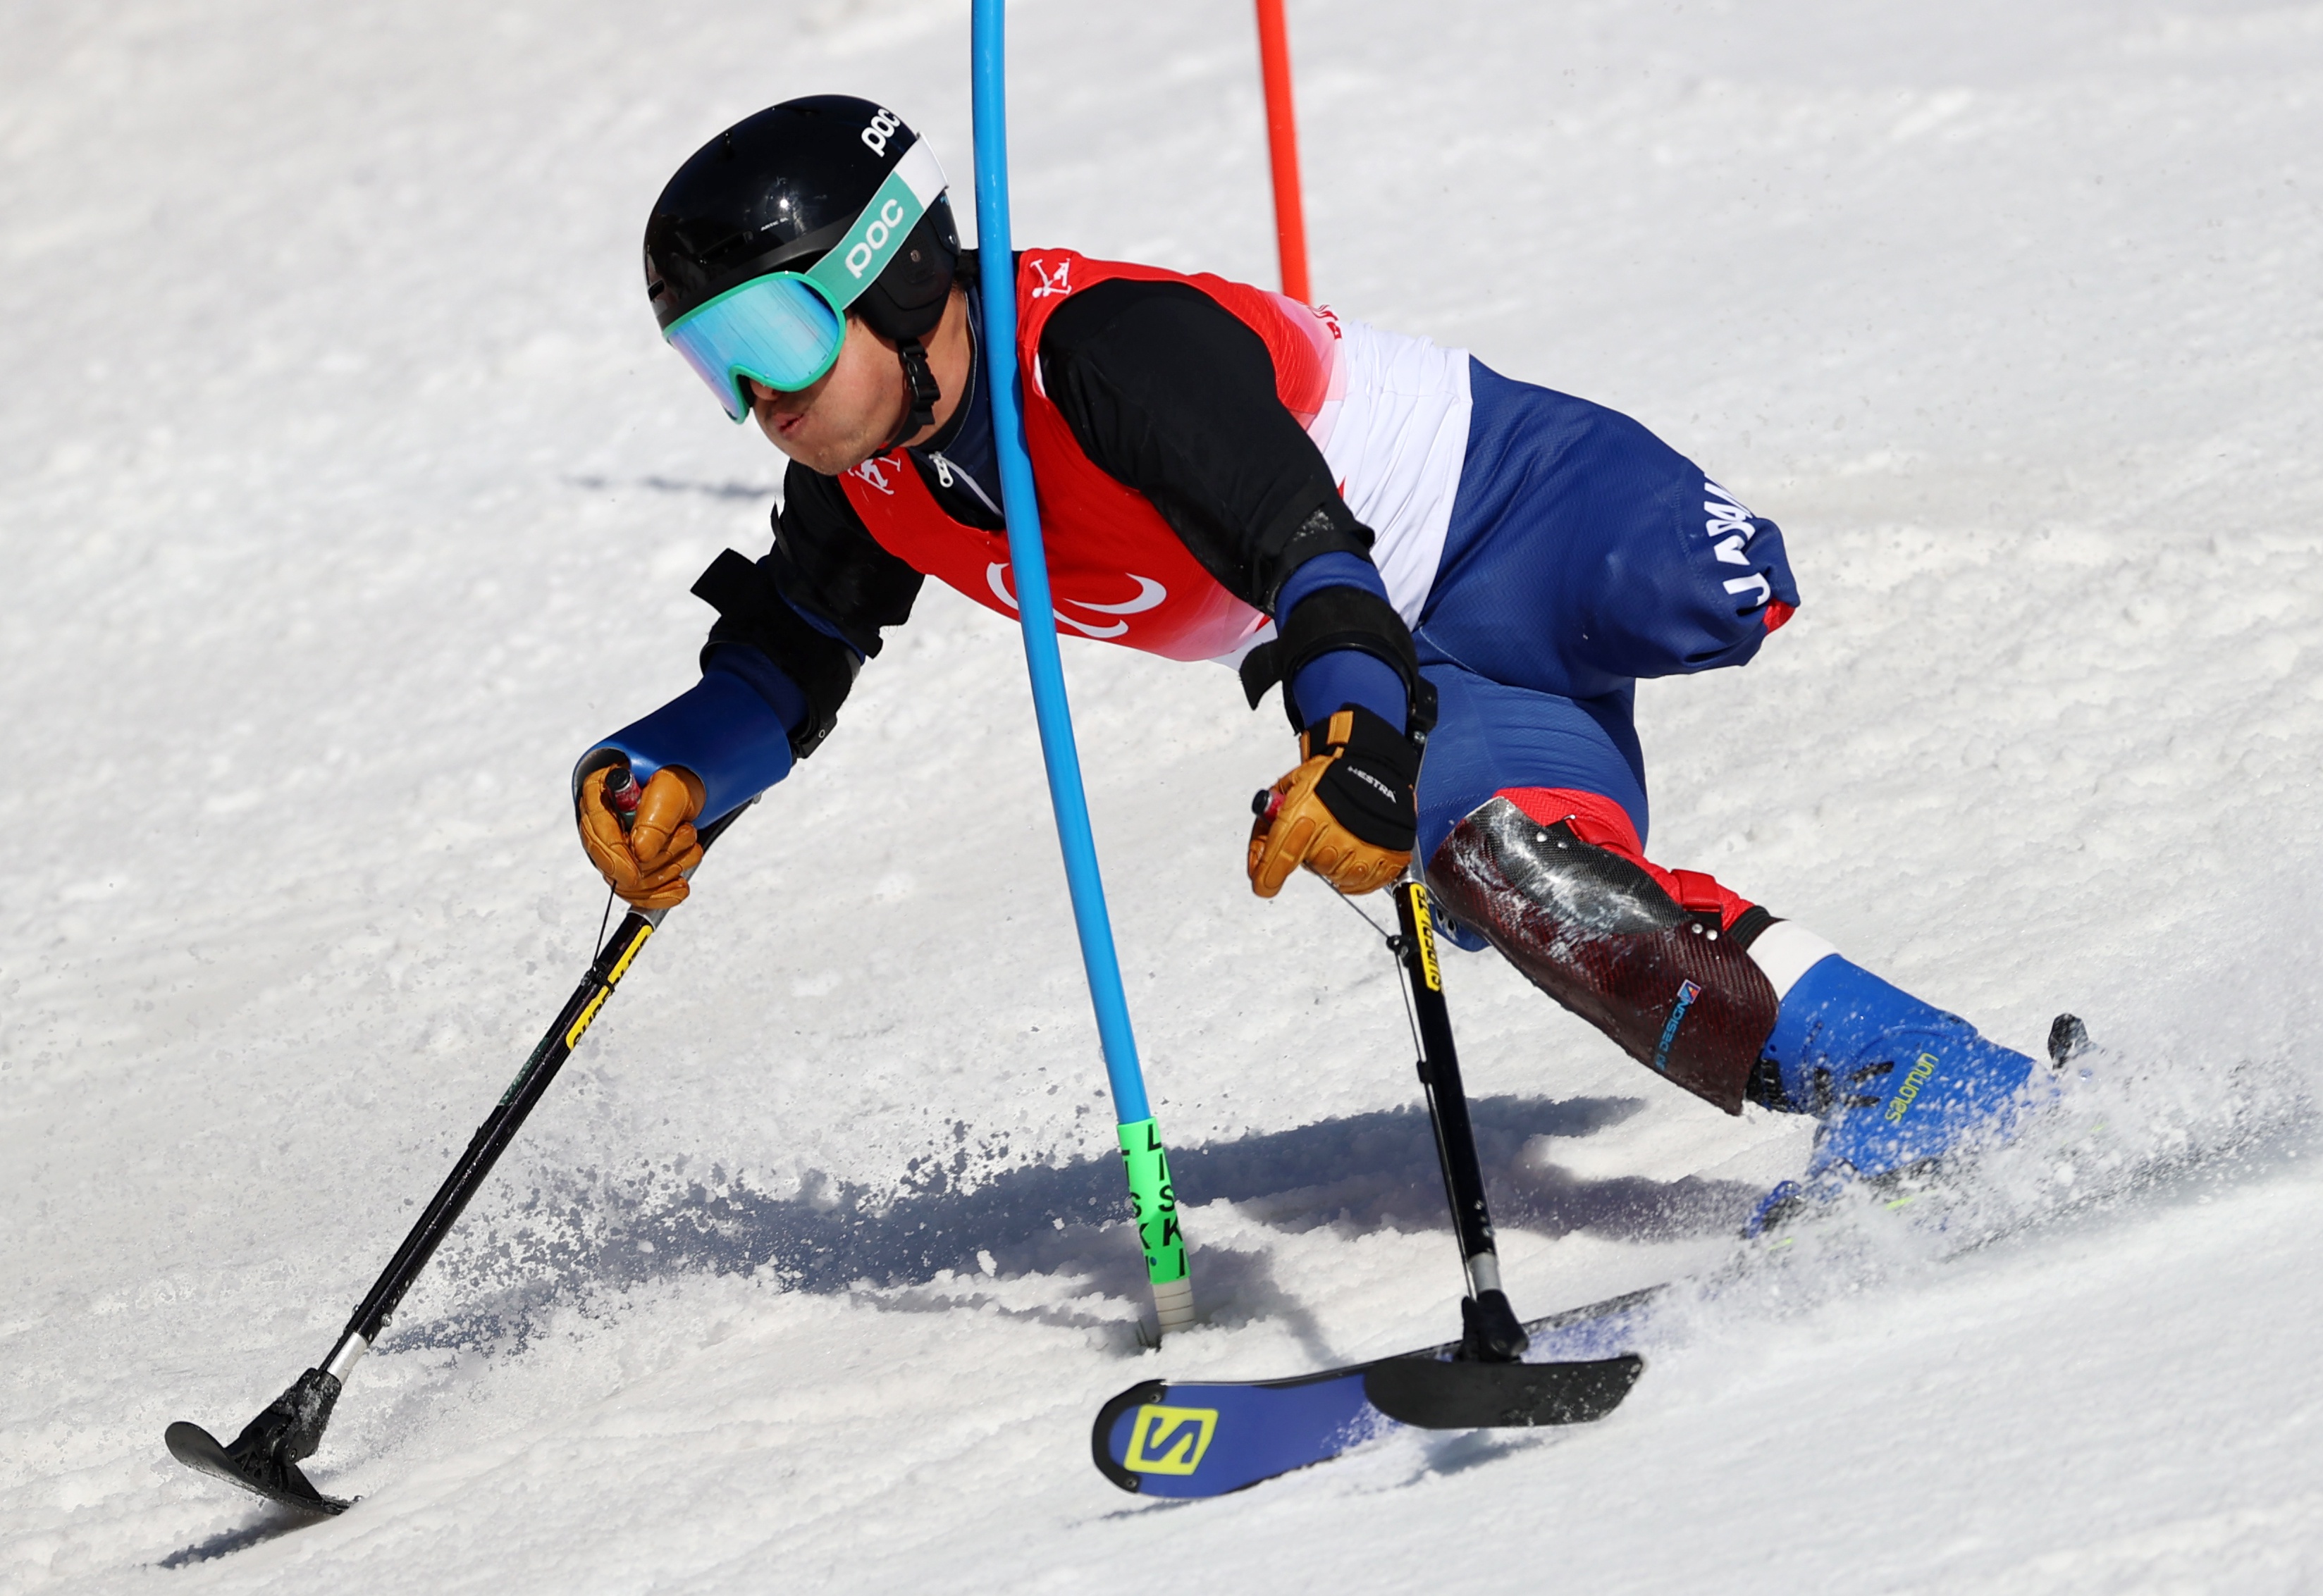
785 329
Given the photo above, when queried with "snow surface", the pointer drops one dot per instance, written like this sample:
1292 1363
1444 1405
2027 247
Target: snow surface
346 494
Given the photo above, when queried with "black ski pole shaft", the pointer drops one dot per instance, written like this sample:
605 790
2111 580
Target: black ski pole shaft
492 1138
1439 1078
500 1128
264 1457
1492 1330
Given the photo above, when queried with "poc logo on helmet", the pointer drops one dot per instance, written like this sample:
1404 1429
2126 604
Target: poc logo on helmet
874 237
883 127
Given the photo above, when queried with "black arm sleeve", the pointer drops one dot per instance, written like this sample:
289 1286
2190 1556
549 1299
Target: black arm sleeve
827 564
826 567
1173 396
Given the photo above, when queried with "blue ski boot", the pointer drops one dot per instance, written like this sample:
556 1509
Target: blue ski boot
1896 1082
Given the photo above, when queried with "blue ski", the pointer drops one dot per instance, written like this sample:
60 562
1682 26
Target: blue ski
1169 1439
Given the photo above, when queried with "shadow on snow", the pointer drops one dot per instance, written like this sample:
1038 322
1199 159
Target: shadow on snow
1357 1174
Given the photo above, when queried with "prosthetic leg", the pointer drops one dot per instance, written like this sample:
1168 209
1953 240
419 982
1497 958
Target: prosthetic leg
1717 995
1601 932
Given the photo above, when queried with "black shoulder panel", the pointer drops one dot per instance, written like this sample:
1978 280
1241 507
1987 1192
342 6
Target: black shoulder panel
1169 393
826 562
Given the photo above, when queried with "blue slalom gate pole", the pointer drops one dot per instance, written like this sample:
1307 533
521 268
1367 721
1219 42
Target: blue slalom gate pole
1144 1160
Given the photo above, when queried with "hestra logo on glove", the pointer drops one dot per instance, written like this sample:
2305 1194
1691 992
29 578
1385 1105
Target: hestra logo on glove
1345 814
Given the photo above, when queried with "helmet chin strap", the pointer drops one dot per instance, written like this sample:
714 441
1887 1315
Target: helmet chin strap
922 383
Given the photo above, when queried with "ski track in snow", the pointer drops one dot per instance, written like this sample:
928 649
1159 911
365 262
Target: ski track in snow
345 493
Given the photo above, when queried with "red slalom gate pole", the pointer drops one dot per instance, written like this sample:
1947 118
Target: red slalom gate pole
1282 148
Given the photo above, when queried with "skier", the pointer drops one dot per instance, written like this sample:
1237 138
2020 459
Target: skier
1424 553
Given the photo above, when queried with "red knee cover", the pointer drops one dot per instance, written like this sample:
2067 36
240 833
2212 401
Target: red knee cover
1601 823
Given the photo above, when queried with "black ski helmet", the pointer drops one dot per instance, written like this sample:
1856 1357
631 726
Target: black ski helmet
775 191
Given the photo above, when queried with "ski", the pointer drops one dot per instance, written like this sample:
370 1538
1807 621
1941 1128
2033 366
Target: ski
1202 1439
1208 1438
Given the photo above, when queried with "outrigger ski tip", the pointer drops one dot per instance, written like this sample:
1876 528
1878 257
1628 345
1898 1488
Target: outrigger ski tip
264 1460
1431 1394
197 1448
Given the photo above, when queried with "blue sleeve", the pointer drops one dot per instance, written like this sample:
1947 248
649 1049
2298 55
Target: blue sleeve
1344 675
786 697
732 729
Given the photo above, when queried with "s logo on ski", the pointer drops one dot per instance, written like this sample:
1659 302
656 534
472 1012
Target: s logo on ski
1164 1440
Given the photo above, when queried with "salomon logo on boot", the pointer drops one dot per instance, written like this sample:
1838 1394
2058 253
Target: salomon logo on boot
1901 1103
1895 1081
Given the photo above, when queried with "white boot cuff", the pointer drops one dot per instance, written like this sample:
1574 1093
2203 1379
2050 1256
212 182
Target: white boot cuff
1785 950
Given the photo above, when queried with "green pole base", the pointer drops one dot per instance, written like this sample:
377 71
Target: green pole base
1154 1202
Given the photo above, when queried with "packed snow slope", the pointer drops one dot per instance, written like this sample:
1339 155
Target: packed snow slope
346 494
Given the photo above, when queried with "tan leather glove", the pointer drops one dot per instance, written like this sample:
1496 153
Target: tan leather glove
645 861
1347 812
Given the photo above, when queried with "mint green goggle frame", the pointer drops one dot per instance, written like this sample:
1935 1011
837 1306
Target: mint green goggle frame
785 329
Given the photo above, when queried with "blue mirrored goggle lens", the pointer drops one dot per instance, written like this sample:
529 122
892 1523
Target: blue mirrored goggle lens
777 329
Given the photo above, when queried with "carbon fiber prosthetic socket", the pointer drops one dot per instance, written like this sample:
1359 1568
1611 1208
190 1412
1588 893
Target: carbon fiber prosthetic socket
1601 936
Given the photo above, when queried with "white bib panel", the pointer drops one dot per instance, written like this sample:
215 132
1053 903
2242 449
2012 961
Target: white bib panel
1395 435
1395 443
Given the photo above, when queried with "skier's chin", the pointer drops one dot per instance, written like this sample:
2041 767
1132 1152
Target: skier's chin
813 448
832 461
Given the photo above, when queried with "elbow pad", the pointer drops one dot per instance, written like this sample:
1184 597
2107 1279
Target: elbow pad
1336 618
